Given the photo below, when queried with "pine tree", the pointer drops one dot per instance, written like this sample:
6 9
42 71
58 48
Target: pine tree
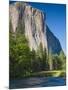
50 60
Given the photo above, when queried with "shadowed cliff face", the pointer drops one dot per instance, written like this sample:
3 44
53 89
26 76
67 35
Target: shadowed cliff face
53 42
35 30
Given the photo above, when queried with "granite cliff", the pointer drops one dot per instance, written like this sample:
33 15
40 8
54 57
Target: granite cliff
35 29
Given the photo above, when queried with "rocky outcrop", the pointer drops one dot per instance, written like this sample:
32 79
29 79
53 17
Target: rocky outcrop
35 30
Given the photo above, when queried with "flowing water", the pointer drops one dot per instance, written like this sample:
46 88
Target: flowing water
37 82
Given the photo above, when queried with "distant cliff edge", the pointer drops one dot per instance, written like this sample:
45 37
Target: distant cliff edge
35 29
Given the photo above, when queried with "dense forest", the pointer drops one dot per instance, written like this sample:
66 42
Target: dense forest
24 63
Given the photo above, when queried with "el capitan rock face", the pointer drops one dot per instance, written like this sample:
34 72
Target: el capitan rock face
53 42
35 30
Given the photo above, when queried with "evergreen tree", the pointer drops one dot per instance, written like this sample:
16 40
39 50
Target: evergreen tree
50 60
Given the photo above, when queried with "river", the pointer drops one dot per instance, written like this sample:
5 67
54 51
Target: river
37 82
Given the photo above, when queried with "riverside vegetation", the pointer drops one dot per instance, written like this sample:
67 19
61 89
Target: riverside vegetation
26 63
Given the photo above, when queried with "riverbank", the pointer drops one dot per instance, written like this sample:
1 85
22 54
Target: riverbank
53 73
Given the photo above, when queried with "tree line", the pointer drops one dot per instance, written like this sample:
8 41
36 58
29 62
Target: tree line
23 62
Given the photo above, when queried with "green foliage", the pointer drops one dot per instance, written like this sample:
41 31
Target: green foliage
19 55
59 61
43 58
62 58
24 62
50 60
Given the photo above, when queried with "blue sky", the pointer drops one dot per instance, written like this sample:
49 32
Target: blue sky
55 19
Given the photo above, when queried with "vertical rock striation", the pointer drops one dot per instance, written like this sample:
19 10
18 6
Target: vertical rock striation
35 29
